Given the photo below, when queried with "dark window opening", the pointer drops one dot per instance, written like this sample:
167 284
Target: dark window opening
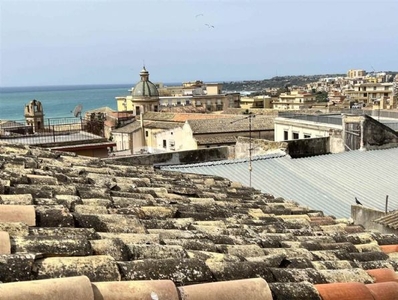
285 135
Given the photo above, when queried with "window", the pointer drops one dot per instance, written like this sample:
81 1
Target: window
285 135
146 133
385 94
307 135
164 144
172 145
295 135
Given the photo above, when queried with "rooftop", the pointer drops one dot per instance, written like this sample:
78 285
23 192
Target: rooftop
81 227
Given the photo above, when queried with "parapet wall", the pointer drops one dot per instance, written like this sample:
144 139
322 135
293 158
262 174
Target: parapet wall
365 216
178 158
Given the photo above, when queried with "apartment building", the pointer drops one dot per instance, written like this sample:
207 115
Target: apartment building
356 73
294 100
372 93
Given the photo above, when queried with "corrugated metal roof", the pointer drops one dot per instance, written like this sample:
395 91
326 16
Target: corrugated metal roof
328 182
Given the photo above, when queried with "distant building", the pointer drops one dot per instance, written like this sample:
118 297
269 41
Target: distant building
356 73
263 101
372 93
345 131
143 97
146 96
34 115
294 100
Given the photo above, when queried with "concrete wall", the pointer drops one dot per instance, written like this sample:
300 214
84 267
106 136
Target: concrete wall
365 216
377 135
295 148
308 147
336 142
175 158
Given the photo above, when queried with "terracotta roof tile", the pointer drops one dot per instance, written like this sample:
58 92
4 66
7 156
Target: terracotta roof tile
114 223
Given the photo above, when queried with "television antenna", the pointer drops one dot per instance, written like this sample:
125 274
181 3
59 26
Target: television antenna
250 118
77 111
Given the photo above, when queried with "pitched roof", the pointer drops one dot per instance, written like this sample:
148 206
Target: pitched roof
389 220
98 229
232 124
180 117
131 127
329 182
162 125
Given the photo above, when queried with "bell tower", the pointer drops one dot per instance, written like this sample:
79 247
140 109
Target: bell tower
34 115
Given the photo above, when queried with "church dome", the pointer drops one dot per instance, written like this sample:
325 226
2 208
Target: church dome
145 88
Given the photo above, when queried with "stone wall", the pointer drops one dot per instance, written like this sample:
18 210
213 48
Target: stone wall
259 147
177 158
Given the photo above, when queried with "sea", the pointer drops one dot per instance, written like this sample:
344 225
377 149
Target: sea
60 101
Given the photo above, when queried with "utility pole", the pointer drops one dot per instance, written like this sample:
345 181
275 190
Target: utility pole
250 118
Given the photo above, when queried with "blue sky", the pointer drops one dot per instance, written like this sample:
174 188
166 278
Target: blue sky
99 42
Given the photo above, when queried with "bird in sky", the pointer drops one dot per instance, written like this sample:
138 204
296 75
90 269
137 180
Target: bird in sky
199 15
209 25
357 201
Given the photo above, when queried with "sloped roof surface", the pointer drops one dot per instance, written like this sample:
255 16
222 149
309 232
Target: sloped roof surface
389 220
180 117
162 125
76 221
329 182
131 127
232 124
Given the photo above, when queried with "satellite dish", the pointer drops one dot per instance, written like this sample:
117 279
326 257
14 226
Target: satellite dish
77 111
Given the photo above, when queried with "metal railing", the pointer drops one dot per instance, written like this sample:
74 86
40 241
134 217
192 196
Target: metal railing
53 130
328 119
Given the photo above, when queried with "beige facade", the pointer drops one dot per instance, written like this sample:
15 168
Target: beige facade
294 100
170 140
213 88
256 102
217 102
128 139
370 93
356 73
